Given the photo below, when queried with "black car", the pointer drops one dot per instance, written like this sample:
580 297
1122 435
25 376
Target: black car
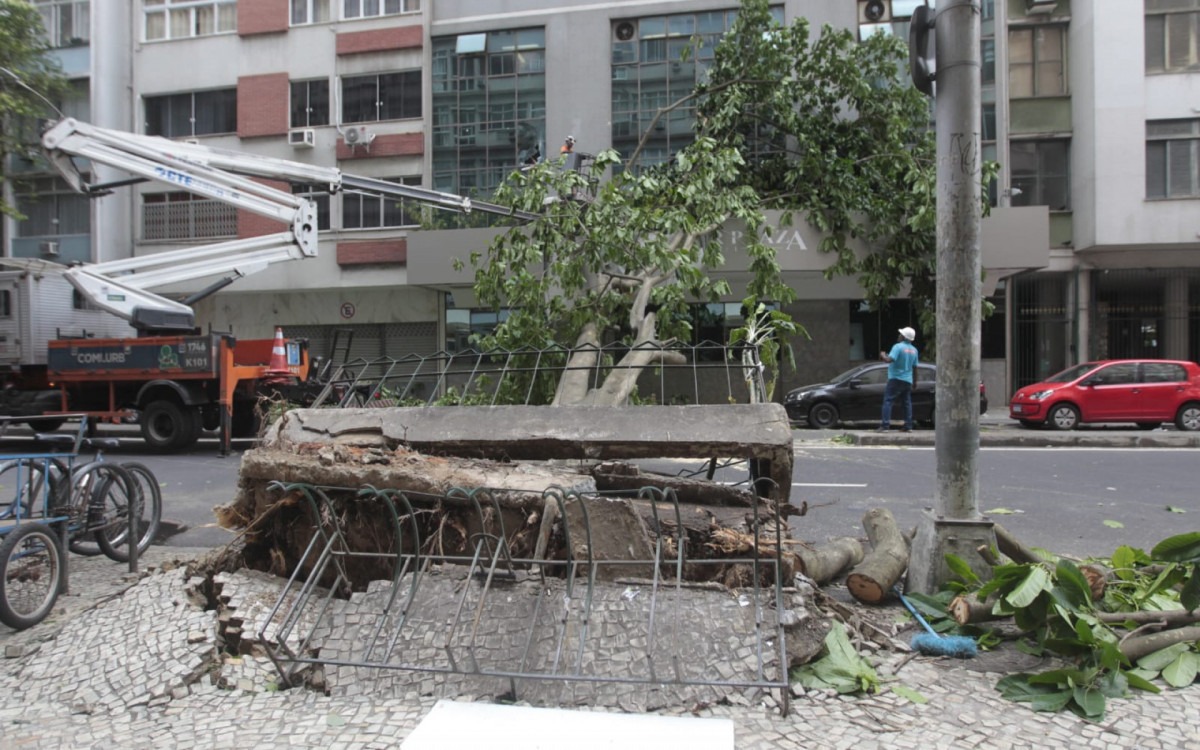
857 396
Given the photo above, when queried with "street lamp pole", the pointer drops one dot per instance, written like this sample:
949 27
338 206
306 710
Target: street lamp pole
954 526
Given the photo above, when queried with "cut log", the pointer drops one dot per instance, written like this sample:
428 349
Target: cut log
1016 551
825 562
1135 648
1097 579
967 610
881 568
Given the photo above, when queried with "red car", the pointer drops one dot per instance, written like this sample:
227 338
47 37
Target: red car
1147 392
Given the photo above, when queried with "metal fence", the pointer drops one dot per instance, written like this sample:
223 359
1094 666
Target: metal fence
705 373
493 612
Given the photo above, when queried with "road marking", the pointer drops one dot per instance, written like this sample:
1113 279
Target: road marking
820 484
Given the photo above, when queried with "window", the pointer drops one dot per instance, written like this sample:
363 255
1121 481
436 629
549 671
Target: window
1173 159
196 113
1163 372
181 19
352 9
51 208
79 302
489 108
310 103
388 96
463 325
318 194
5 303
67 22
987 53
1119 374
650 71
1041 173
1037 61
1172 36
310 11
370 211
186 216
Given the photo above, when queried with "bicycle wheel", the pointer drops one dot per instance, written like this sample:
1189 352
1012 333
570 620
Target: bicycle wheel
151 505
116 493
30 575
23 484
77 502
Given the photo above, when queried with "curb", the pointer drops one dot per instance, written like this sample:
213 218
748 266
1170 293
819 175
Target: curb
1005 439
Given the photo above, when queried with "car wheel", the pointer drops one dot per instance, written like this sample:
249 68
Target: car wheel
1030 423
1148 425
1063 417
823 416
1188 417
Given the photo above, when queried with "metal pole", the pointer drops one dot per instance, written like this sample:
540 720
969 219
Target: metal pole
955 526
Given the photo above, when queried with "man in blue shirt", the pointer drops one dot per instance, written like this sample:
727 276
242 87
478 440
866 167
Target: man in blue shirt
902 360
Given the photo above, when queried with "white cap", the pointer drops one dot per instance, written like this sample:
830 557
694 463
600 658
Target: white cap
908 333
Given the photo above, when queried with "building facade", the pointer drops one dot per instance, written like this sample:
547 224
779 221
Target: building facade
1090 250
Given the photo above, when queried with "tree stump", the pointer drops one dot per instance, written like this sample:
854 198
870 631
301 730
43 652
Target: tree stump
882 567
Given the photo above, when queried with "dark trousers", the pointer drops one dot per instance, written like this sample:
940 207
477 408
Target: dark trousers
897 389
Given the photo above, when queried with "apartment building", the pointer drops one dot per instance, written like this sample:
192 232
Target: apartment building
1089 251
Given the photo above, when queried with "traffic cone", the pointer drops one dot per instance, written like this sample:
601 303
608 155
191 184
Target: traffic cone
278 365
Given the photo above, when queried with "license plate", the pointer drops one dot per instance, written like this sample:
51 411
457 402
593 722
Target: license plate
1017 409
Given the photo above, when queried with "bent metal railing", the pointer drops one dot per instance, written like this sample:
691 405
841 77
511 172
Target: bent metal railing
487 613
708 372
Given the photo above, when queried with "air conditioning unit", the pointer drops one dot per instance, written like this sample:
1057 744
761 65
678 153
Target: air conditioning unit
1040 7
359 136
302 138
624 31
48 248
874 11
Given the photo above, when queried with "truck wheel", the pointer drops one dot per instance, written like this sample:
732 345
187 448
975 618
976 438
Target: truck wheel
167 426
246 422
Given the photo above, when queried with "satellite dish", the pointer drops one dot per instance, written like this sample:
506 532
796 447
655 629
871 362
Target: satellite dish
352 136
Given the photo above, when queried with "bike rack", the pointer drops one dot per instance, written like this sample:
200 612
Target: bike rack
524 623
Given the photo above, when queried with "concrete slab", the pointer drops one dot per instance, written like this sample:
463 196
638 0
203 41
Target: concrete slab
538 433
454 724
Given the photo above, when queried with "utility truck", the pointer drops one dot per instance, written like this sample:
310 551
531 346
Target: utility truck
144 359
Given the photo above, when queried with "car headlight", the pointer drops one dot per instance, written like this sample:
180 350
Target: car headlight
1040 395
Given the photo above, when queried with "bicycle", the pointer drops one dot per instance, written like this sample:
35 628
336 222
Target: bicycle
100 493
92 501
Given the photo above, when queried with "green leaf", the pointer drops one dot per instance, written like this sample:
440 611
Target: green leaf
1091 700
1173 509
960 568
1189 595
1180 548
1137 679
1035 582
334 720
1073 584
1182 671
1159 660
1054 702
999 512
904 691
1016 687
1114 524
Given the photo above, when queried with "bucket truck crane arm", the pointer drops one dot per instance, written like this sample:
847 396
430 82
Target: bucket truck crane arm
122 286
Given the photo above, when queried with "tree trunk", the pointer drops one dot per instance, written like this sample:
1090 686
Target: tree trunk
1135 648
825 562
882 567
1016 551
1169 618
967 610
610 477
